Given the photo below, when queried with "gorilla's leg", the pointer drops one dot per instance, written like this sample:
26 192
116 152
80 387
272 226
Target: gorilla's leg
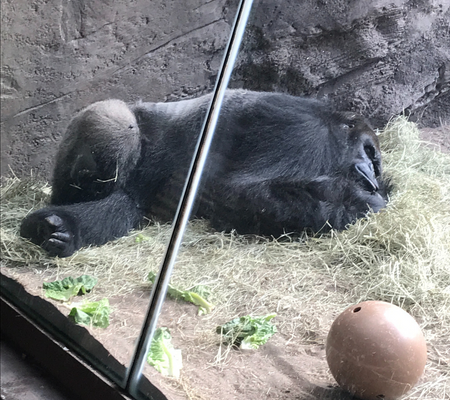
273 207
99 150
61 230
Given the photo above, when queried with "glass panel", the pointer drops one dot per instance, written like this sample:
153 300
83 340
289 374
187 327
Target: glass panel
246 252
260 243
143 57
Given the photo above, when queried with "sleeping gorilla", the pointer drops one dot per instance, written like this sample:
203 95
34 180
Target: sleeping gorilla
277 164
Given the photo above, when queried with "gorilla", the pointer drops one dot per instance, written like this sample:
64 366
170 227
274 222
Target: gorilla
277 164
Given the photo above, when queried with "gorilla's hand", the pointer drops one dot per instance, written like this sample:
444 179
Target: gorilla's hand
57 234
63 229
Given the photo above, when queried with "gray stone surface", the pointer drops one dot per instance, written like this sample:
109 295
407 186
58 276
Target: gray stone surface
59 56
378 57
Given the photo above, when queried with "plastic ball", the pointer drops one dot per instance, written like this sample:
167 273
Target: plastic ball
376 350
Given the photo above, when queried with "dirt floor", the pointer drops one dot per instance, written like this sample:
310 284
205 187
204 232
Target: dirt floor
284 368
280 369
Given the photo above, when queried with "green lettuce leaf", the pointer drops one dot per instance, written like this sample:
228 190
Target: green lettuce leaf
248 332
69 287
162 355
197 295
141 238
94 313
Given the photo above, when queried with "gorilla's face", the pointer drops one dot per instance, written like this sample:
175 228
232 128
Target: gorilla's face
363 157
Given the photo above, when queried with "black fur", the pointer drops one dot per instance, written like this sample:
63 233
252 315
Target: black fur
278 164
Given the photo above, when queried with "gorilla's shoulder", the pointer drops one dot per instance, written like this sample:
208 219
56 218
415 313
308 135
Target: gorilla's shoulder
242 97
273 105
236 102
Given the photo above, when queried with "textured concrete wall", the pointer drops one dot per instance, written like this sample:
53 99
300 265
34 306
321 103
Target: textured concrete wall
60 55
378 57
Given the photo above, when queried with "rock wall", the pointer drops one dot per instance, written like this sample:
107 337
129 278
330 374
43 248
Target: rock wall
374 56
378 57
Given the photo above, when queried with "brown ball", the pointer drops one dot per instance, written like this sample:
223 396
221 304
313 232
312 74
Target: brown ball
376 350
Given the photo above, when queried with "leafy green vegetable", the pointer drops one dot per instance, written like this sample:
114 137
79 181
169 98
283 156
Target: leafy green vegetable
197 295
162 354
248 332
193 296
141 238
69 287
94 313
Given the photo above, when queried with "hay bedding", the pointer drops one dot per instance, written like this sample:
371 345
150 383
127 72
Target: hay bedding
400 255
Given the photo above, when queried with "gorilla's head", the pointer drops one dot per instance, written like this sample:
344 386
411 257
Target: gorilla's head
362 156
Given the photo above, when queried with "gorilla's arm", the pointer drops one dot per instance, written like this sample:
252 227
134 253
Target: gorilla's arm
276 207
61 230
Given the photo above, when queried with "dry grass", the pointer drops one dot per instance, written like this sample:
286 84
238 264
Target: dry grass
400 255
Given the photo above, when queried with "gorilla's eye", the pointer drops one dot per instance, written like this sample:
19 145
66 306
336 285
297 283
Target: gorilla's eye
348 126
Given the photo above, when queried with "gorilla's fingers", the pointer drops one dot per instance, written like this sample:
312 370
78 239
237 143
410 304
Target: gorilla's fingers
63 237
57 248
55 244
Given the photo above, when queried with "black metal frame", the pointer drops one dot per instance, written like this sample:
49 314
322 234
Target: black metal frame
34 340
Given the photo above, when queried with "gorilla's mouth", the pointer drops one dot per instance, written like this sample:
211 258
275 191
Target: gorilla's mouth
368 174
